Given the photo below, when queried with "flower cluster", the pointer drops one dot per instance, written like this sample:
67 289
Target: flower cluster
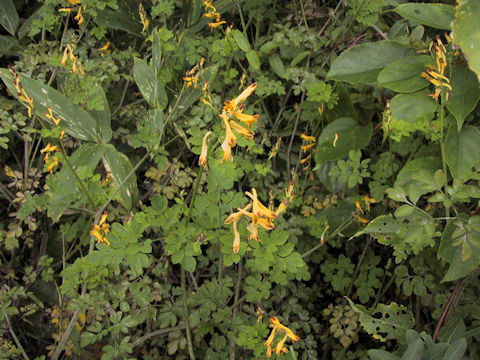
101 230
191 76
105 49
309 145
276 328
143 17
436 74
233 109
51 161
212 13
260 215
68 54
21 93
367 201
79 16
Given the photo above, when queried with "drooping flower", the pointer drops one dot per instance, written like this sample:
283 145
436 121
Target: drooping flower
227 151
100 230
143 17
203 161
276 328
311 142
247 134
436 75
236 240
258 208
234 217
50 162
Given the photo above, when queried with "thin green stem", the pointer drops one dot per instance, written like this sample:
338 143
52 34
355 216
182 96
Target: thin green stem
187 325
442 144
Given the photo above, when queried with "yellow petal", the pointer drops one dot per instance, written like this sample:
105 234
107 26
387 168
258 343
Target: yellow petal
244 94
227 151
279 346
247 134
307 137
236 240
202 161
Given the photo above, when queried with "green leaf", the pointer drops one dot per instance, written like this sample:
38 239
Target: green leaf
467 32
362 64
253 59
465 94
152 90
8 16
413 107
66 184
381 355
403 76
414 351
8 45
461 151
189 263
103 118
277 65
436 351
385 322
76 121
120 166
349 135
156 53
456 350
124 18
438 16
297 59
241 40
453 253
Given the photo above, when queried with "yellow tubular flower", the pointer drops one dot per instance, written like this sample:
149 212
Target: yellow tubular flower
233 217
202 161
52 164
267 224
49 148
246 118
307 147
307 137
216 24
253 230
258 208
279 348
244 94
79 16
361 219
247 134
359 207
236 240
368 200
229 135
74 2
227 151
103 218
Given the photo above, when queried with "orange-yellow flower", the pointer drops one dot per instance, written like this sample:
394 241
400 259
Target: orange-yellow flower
101 230
236 240
307 137
229 135
227 151
233 217
202 161
246 118
258 208
247 134
361 219
277 327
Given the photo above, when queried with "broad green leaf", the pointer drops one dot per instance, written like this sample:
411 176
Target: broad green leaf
362 64
120 166
436 351
438 16
156 120
465 94
66 184
344 108
253 59
456 350
156 53
241 40
347 135
152 90
103 118
381 355
462 151
297 59
8 16
403 76
8 45
413 107
385 322
453 253
76 121
414 351
124 18
277 65
467 32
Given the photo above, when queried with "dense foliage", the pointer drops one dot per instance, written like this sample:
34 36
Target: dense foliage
239 179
